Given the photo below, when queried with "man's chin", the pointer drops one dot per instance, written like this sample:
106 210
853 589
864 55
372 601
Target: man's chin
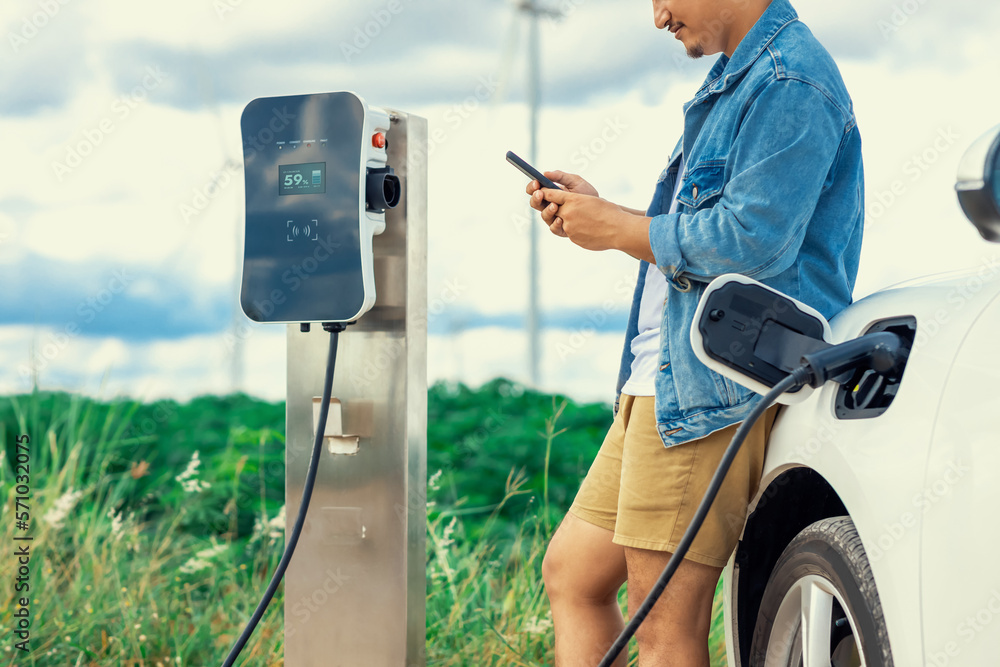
695 51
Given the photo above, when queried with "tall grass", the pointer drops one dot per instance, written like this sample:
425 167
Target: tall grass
157 558
120 580
486 602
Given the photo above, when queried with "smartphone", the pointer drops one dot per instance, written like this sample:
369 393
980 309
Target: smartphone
530 171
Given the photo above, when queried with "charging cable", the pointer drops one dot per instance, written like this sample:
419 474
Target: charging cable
307 489
883 351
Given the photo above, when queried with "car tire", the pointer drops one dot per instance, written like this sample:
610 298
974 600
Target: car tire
820 607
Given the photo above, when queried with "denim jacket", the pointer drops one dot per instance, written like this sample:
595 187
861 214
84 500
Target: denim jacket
772 188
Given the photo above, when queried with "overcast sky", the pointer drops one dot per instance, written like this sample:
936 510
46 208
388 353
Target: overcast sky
115 115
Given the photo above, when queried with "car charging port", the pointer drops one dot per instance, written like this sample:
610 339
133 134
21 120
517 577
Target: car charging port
868 393
881 352
382 189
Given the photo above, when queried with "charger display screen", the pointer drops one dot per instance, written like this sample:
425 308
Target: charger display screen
302 179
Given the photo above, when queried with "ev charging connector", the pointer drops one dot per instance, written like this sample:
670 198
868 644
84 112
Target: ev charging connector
778 347
755 335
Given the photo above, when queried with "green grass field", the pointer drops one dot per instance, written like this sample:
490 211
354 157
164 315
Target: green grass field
154 528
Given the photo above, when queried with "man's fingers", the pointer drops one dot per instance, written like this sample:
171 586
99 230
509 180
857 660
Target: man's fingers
554 196
549 214
536 201
539 203
558 177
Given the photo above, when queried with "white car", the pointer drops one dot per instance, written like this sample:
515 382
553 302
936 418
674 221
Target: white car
873 539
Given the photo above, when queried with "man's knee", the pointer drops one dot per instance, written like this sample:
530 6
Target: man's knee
581 563
557 567
551 570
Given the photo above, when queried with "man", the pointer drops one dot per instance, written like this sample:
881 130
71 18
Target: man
767 182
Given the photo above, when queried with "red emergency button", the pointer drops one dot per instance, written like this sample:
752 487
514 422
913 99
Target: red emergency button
378 140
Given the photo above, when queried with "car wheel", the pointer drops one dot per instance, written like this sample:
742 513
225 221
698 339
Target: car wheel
820 607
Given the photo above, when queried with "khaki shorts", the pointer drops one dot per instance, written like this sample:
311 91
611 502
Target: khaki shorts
647 493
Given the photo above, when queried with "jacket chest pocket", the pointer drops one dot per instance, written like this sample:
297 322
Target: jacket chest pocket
703 184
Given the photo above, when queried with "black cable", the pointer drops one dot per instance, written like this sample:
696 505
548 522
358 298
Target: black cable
307 490
797 378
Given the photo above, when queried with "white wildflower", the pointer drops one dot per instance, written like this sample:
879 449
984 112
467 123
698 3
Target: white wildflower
276 526
66 502
189 478
446 539
273 528
434 483
202 559
538 626
117 524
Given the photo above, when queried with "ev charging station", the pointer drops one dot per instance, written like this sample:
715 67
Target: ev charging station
336 233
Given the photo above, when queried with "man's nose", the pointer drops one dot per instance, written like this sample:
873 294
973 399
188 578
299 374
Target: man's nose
661 15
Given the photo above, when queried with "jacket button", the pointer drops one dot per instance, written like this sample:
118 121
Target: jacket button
694 192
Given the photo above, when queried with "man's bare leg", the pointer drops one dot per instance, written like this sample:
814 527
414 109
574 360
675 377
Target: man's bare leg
583 570
675 634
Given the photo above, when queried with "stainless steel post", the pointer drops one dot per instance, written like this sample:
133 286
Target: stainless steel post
355 590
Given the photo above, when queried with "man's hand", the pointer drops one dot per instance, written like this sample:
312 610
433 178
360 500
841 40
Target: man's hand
571 182
578 213
597 224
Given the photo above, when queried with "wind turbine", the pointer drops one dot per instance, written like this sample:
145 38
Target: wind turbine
532 10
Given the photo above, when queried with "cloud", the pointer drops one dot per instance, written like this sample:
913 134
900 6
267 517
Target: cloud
44 59
591 319
93 299
409 53
605 68
147 370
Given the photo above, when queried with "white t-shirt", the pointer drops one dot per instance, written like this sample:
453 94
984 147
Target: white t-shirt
646 345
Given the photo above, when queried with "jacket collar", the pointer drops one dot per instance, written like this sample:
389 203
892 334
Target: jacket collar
726 70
